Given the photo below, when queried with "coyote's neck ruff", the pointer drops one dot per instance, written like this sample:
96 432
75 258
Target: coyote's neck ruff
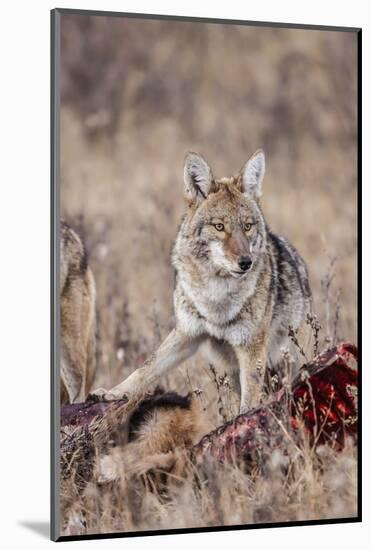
238 285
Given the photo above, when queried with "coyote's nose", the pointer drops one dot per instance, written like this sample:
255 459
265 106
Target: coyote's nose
244 263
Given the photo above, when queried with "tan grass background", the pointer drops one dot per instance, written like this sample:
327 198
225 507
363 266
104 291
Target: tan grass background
136 96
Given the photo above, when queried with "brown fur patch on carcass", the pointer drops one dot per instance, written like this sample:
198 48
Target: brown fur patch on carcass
160 430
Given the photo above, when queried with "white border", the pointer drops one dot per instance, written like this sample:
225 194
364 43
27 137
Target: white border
25 265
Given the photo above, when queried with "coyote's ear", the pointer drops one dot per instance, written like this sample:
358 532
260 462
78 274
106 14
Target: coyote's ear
197 177
253 173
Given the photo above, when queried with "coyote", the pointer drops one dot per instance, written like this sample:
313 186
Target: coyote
77 292
239 287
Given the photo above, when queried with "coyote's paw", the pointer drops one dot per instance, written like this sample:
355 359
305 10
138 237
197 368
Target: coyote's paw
101 394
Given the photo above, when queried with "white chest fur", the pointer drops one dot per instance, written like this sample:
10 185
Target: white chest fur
215 308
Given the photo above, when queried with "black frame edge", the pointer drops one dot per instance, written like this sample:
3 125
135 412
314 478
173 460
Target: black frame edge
359 268
195 19
54 282
215 529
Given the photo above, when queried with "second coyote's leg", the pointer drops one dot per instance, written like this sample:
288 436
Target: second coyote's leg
175 349
73 361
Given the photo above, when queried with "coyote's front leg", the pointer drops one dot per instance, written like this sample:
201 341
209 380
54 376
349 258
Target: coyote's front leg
252 361
175 349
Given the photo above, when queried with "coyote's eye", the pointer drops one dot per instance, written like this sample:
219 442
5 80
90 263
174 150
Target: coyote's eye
247 226
219 227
